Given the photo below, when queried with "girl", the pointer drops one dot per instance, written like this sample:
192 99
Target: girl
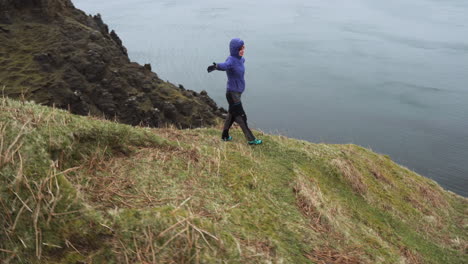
234 67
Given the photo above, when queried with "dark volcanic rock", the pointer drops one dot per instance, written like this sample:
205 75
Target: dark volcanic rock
206 99
78 64
47 61
117 40
5 17
4 30
100 24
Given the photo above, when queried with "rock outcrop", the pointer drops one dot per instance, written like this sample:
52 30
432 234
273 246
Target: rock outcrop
55 54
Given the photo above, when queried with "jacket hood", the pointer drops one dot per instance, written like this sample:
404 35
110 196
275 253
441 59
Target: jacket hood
234 46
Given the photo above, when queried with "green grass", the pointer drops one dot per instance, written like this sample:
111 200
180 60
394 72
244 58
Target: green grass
80 189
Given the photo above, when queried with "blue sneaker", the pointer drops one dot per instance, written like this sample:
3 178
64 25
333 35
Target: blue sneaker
255 142
227 139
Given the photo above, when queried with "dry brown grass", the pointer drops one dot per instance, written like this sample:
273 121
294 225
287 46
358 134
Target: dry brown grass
151 246
410 256
351 175
325 216
376 171
307 207
33 200
374 163
328 255
105 181
259 249
8 150
325 219
36 199
459 244
425 197
433 196
171 133
415 203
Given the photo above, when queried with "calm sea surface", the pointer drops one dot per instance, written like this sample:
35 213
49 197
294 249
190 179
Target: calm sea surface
388 75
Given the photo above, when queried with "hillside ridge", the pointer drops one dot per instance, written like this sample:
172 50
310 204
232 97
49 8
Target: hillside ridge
77 189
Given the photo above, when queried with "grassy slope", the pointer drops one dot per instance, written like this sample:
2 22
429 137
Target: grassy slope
81 189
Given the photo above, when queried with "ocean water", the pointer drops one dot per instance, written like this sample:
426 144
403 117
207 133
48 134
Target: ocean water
388 75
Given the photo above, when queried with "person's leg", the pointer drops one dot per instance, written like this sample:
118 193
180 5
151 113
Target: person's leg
229 118
242 121
227 125
239 116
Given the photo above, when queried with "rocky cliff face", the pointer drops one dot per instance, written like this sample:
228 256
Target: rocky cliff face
55 54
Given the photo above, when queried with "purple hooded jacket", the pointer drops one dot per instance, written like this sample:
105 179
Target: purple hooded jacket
234 67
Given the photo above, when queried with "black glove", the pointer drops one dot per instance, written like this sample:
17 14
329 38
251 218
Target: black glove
211 67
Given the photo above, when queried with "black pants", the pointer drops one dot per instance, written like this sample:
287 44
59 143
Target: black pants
236 114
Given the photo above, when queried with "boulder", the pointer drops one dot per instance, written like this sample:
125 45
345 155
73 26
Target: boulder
184 107
147 66
169 110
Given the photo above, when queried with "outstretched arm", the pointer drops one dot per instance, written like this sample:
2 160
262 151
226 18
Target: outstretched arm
225 65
